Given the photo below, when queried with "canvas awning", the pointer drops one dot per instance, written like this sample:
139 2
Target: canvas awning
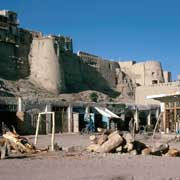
106 112
173 97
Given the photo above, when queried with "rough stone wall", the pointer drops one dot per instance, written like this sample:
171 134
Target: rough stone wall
50 64
111 72
14 51
144 73
8 65
163 88
106 68
44 64
125 85
23 50
153 71
80 76
126 67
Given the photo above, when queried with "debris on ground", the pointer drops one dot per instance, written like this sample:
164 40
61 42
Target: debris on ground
11 142
116 142
18 143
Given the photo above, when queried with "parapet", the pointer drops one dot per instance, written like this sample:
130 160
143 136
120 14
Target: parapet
11 17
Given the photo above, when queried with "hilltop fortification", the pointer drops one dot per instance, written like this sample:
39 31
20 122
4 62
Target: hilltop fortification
47 64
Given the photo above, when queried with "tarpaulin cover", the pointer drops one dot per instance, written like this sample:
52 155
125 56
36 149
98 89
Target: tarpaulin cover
106 112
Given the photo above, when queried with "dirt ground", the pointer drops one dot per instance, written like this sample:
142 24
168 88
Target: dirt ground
80 165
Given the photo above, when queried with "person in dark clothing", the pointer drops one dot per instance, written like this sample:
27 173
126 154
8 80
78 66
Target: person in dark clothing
131 125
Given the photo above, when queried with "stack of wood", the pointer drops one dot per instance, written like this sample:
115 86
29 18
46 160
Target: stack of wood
11 142
19 143
107 142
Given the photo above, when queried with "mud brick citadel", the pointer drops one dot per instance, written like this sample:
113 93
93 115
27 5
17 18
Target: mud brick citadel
40 72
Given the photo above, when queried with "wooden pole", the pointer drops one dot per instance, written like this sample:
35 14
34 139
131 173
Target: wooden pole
37 129
53 128
157 122
53 131
133 130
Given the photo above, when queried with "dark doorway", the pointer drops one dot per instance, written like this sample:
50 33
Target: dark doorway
128 117
143 118
82 123
61 122
8 120
99 122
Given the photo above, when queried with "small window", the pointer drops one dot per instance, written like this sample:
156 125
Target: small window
154 82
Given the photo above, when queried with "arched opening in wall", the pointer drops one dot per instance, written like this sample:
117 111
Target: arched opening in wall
128 118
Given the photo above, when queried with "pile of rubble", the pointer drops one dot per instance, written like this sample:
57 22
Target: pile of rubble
12 143
116 142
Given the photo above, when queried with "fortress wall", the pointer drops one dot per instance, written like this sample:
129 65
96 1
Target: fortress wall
44 63
153 71
108 70
126 67
8 61
14 53
73 77
23 60
111 73
81 76
167 76
138 73
144 73
23 51
163 88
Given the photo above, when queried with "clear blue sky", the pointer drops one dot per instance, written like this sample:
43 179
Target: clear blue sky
114 29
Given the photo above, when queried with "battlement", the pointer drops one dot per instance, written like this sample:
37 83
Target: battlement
169 84
9 17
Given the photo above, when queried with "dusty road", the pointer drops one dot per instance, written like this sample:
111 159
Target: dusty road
85 166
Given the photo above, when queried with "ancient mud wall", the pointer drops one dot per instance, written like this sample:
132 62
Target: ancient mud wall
8 65
23 50
145 73
126 67
167 76
44 64
111 71
153 72
14 53
106 68
80 76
